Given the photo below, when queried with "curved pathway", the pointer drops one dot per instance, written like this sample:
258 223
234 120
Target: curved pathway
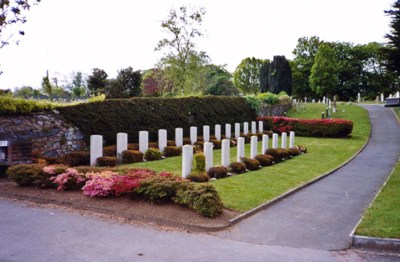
323 215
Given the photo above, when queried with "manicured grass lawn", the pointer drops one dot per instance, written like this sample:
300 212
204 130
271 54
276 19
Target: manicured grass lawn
246 191
382 219
397 111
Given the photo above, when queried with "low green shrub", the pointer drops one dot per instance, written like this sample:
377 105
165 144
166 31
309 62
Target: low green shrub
24 174
265 160
152 154
284 153
132 156
77 158
217 172
275 154
198 146
198 176
12 105
172 151
110 161
237 167
251 164
201 197
199 162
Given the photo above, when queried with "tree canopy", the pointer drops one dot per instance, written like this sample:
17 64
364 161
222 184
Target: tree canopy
247 75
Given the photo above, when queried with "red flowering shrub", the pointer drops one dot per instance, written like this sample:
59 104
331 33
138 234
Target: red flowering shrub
309 127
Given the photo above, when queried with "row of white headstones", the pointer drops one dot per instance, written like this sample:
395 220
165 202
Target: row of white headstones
96 144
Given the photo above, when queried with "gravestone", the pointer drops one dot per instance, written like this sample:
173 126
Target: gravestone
162 139
253 147
261 126
122 144
143 141
206 133
187 160
382 98
240 149
193 135
96 148
237 130
218 132
225 155
291 139
274 140
245 128
208 152
264 143
284 140
253 127
178 137
228 131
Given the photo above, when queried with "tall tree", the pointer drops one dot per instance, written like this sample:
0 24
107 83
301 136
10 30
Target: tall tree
182 63
219 81
247 75
264 76
97 81
47 87
280 76
393 50
324 72
126 84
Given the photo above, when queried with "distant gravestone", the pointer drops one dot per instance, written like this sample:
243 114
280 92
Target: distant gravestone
96 148
225 154
382 98
253 147
291 139
206 133
162 139
143 141
208 152
264 144
261 126
245 128
240 149
253 127
284 140
122 144
274 140
228 131
237 130
218 132
187 160
178 137
193 135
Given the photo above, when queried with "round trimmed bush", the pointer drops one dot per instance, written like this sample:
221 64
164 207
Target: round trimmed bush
275 154
217 172
265 160
110 150
132 156
171 143
216 143
186 141
198 176
251 164
133 146
24 174
294 151
153 145
284 153
152 154
199 161
77 158
110 161
172 151
237 167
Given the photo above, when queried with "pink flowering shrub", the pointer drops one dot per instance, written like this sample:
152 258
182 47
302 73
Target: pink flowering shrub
70 179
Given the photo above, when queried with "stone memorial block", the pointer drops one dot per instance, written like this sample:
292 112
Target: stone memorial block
253 127
261 126
187 160
382 98
143 141
264 143
291 139
245 128
228 131
208 152
237 130
225 154
193 135
96 148
274 140
284 140
122 144
240 149
178 137
218 132
206 133
253 147
162 139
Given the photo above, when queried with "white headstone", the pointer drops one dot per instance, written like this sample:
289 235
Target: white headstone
225 154
284 140
382 98
96 148
206 133
253 147
323 100
162 139
237 130
358 98
398 94
245 128
187 160
208 152
122 143
329 103
274 140
218 132
143 141
228 131
253 127
264 144
313 101
193 134
261 126
291 139
178 137
240 149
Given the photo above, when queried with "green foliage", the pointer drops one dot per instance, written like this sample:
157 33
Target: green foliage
24 174
264 76
265 160
251 164
97 81
280 75
219 81
253 102
131 116
126 84
198 176
247 75
10 105
237 167
152 154
393 50
110 161
268 98
78 158
199 161
47 87
217 172
99 98
132 156
203 198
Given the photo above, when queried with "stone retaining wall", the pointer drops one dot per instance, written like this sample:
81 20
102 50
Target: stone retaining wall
274 110
48 131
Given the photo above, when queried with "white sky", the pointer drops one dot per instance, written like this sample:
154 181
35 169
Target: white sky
65 36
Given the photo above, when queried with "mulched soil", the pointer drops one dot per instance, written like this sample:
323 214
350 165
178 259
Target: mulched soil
137 210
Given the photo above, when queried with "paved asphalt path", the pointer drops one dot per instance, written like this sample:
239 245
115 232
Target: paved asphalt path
323 215
30 233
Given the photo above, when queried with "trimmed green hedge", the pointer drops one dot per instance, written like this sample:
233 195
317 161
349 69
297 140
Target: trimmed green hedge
151 114
11 105
309 127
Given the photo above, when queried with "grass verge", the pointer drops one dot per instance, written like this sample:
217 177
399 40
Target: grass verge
246 191
382 219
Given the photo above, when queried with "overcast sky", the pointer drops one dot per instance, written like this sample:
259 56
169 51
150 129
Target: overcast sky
65 36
